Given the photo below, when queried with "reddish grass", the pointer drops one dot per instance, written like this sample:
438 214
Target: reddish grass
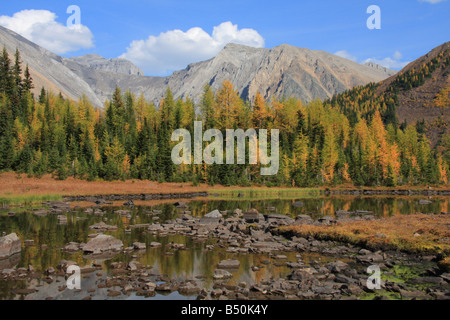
411 233
12 183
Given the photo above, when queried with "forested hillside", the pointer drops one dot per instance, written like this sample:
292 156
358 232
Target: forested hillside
352 138
417 94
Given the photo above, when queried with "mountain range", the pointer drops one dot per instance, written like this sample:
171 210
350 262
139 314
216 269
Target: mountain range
281 71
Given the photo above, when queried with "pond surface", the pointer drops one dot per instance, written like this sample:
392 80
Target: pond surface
43 238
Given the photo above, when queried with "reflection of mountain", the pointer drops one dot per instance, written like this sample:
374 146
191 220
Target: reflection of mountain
282 71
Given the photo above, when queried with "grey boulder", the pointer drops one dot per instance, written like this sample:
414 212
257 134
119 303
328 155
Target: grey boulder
9 245
102 243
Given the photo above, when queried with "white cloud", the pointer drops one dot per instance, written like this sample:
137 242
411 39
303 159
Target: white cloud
175 49
346 55
432 1
40 27
397 55
393 62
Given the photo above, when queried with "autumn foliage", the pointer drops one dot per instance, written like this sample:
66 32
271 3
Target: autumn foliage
344 140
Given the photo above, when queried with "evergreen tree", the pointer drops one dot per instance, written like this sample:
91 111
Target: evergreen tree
6 75
207 107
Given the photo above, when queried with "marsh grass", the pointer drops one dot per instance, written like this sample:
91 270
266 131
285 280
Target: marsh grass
417 233
266 193
27 199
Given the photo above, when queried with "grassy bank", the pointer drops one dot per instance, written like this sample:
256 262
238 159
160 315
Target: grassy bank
13 184
27 199
265 193
410 233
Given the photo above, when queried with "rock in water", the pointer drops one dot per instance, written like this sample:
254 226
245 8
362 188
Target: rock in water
102 226
129 203
214 214
139 246
253 216
229 264
9 245
103 243
181 205
221 274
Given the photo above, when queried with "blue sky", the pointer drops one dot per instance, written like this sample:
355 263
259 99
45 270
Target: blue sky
409 28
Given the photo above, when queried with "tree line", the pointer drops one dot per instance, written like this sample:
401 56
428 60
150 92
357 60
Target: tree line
321 143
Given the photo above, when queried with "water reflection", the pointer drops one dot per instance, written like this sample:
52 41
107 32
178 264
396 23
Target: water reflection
195 262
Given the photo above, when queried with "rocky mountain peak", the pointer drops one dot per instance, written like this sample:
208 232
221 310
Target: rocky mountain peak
282 71
375 66
116 65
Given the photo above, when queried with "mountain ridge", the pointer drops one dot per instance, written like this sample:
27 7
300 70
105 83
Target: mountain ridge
281 71
46 68
115 65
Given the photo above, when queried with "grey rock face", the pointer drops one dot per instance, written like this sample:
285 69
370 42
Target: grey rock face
375 66
47 69
9 245
118 65
282 71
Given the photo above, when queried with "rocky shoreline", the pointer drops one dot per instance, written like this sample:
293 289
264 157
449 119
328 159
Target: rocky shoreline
146 196
191 195
381 192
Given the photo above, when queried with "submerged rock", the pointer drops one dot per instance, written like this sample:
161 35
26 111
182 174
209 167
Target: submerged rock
297 204
62 219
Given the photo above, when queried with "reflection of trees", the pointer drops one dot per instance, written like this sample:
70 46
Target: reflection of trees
196 260
7 289
444 206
